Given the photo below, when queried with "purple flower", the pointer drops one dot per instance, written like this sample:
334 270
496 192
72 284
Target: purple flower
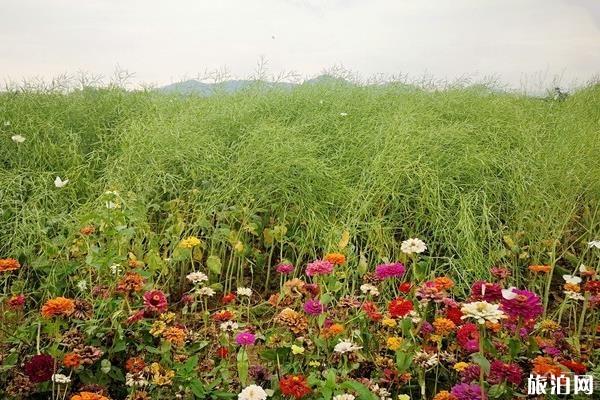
426 328
465 391
314 307
245 339
392 270
319 267
285 269
525 304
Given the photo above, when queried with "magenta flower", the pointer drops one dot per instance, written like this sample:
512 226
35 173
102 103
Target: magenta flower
465 391
285 269
319 267
314 307
393 270
155 301
482 290
525 304
245 339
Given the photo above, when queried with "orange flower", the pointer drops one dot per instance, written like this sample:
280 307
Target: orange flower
443 326
87 230
335 258
131 282
135 365
9 264
492 326
58 307
545 366
443 283
572 287
175 335
540 268
88 396
444 395
332 331
72 360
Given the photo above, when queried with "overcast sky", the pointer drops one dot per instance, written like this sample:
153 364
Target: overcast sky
164 41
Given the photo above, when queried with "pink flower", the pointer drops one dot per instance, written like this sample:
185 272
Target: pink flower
314 307
392 270
525 304
465 391
136 317
155 301
16 302
319 267
285 269
245 339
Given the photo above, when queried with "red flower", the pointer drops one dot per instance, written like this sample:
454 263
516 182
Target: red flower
405 287
16 302
575 366
224 315
40 368
294 386
371 310
228 298
222 352
467 337
155 301
400 307
592 286
136 317
454 314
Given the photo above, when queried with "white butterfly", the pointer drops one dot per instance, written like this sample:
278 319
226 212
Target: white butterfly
508 294
575 280
18 138
594 243
343 114
59 183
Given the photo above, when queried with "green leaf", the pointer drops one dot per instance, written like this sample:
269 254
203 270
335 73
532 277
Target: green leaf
363 392
214 264
105 366
197 389
483 362
242 366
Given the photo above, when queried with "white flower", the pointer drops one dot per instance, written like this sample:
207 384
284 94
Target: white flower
426 360
414 317
509 293
343 114
60 378
197 277
59 183
243 291
111 205
574 280
383 393
6 123
344 396
346 346
229 326
482 311
206 291
594 243
18 138
367 288
252 392
584 269
135 380
115 269
570 295
82 285
413 245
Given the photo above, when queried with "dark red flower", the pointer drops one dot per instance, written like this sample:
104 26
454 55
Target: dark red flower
294 386
482 290
592 286
405 287
222 352
40 368
16 302
454 314
400 307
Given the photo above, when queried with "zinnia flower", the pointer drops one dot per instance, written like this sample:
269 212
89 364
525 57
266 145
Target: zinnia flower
466 391
335 258
190 242
525 304
89 396
16 302
9 264
412 246
467 337
285 269
400 307
245 339
155 301
319 267
346 346
314 307
392 270
540 268
294 386
58 307
197 277
482 311
252 392
39 368
482 290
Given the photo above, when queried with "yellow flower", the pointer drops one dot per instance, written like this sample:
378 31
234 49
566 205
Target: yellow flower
314 363
435 338
389 322
459 366
297 349
168 317
394 343
403 397
158 327
161 376
190 242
